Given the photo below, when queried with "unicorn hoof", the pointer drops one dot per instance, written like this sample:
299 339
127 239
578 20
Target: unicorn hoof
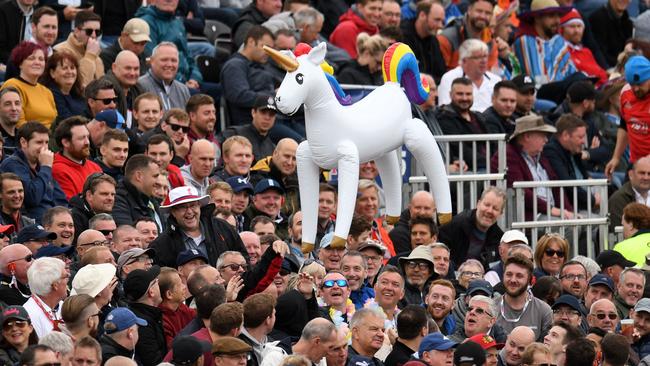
338 243
444 218
306 248
392 220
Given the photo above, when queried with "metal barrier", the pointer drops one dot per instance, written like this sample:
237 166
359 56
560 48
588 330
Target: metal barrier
586 219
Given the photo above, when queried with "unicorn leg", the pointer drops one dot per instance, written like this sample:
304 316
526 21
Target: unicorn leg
348 177
308 178
388 166
419 140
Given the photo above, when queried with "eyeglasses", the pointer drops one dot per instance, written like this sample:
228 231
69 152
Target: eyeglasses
142 259
106 232
107 101
96 243
422 266
331 283
573 277
235 266
551 252
472 274
27 258
176 127
90 31
18 323
565 312
479 311
611 316
374 258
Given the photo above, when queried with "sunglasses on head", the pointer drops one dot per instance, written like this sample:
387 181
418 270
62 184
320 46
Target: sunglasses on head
18 323
90 31
107 101
176 127
611 316
331 283
550 252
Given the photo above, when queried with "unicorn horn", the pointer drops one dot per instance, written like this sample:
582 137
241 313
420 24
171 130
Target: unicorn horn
283 61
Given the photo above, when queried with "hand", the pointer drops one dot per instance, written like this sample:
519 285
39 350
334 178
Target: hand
235 285
457 165
610 167
392 335
305 285
46 157
192 84
502 47
183 148
595 142
190 15
69 12
568 215
280 248
93 47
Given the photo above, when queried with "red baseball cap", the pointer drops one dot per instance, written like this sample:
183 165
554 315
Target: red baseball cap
485 341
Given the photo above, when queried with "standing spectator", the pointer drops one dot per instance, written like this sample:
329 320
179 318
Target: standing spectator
71 165
612 27
133 37
84 44
48 280
363 17
121 334
16 25
257 132
97 196
390 14
367 327
100 95
37 100
15 260
420 35
58 220
114 150
87 351
572 28
629 291
135 192
253 15
161 77
160 148
62 78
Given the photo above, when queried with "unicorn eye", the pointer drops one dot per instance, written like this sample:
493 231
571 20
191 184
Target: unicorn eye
299 78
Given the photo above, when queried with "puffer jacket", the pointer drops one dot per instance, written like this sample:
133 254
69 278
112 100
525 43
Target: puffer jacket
351 23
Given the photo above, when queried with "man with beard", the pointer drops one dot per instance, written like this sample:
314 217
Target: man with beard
295 237
572 28
134 194
629 291
439 302
499 117
59 221
281 166
161 77
542 52
518 339
10 107
518 305
368 331
457 118
475 234
420 35
335 292
635 112
355 268
473 25
203 117
71 165
201 163
32 164
417 269
267 201
526 96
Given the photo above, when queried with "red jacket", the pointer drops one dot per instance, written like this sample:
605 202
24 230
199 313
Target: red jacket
350 25
175 177
175 320
71 175
585 62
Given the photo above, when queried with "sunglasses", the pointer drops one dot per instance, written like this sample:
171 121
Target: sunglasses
423 266
27 258
176 127
90 31
331 283
106 232
234 267
611 316
284 272
3 235
18 323
479 311
96 243
107 101
551 252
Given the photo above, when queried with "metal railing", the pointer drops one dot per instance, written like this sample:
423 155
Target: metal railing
581 225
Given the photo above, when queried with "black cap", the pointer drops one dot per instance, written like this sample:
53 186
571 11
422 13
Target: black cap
469 353
570 301
581 91
137 282
264 103
33 233
187 349
524 83
608 258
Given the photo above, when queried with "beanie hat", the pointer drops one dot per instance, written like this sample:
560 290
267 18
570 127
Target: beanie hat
571 17
637 70
642 27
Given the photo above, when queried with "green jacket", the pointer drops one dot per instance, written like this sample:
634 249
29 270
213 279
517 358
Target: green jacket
636 247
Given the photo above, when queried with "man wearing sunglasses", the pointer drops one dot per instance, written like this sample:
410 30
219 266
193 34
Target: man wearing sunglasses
335 292
100 95
15 260
603 315
84 44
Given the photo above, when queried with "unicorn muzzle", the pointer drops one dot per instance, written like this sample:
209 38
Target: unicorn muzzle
283 61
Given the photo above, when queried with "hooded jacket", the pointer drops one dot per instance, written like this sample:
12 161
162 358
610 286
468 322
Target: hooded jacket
71 175
351 23
166 27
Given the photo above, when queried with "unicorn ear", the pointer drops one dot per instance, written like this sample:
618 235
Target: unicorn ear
317 54
288 54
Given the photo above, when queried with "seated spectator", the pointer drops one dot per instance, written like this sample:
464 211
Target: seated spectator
163 26
100 95
523 154
237 155
281 166
103 122
221 195
148 229
124 74
390 14
114 150
526 96
439 301
37 100
612 27
550 255
468 271
203 118
327 198
418 270
201 163
17 334
257 132
242 190
473 63
355 268
421 204
420 35
44 28
243 77
475 287
32 162
603 314
542 52
87 350
48 281
253 15
10 110
147 112
135 192
520 349
309 23
160 148
71 165
161 77
267 201
78 313
97 196
58 220
133 37
176 125
15 260
367 328
16 18
365 69
635 190
121 335
600 287
335 294
328 255
367 205
568 309
508 241
125 238
480 319
572 28
628 291
499 117
363 17
636 223
84 44
558 339
62 78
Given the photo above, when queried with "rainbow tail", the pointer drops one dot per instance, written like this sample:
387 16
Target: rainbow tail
400 65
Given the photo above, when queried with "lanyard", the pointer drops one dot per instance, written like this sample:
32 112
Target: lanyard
49 314
503 312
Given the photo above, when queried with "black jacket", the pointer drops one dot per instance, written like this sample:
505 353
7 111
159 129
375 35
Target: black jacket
281 222
263 146
130 205
560 160
109 54
120 12
456 235
617 203
124 101
452 123
413 295
427 50
401 235
12 28
151 341
352 72
497 124
399 355
610 32
81 214
219 237
13 294
110 348
248 18
332 11
293 312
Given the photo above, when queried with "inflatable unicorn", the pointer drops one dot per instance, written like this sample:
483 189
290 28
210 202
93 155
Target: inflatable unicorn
341 134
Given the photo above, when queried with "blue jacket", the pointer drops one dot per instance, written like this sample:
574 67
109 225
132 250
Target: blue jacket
41 190
642 346
166 27
360 296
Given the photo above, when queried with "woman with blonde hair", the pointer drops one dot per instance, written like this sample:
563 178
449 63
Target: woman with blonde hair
366 69
536 354
550 254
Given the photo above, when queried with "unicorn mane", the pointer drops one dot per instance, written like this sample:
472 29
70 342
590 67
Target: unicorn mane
399 65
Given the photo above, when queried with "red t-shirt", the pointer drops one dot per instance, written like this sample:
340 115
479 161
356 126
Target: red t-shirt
635 119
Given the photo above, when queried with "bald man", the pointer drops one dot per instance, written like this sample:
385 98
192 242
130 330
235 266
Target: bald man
15 260
88 239
253 246
120 361
603 315
124 75
422 204
202 160
516 344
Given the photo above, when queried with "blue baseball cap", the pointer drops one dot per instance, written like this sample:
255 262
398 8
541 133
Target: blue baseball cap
34 233
637 70
266 184
120 319
601 279
570 301
112 118
188 255
239 184
435 341
52 250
